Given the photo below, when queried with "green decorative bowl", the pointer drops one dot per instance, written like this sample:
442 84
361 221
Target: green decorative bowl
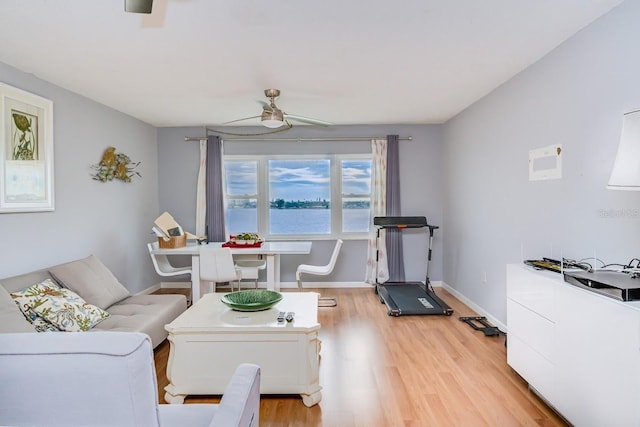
251 300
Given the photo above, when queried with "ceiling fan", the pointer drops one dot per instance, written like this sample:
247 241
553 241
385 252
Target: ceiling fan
273 117
138 6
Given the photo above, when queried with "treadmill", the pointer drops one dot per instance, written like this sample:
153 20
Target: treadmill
408 298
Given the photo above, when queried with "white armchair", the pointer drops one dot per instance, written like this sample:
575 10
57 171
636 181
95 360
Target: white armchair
105 379
321 270
163 267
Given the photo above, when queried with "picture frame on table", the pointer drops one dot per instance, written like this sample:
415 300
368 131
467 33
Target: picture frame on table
26 151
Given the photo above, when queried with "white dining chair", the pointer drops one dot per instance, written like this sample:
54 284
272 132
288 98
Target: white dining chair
250 268
217 266
321 270
163 267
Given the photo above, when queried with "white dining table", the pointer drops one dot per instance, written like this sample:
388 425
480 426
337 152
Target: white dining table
270 250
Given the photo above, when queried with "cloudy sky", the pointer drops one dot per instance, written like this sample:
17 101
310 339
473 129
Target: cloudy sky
298 179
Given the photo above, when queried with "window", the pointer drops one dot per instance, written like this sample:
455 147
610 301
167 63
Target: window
299 196
356 195
304 195
241 193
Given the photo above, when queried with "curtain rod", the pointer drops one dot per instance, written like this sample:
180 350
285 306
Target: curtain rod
347 138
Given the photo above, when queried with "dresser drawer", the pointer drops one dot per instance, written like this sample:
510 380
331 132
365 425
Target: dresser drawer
533 329
532 289
538 371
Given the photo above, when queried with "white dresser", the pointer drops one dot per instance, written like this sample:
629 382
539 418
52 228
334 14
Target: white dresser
579 350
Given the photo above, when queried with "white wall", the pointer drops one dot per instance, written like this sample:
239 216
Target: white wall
421 182
493 215
111 220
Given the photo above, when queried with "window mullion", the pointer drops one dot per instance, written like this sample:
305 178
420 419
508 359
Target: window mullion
336 195
263 196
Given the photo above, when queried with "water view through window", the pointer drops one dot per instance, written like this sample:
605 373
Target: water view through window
300 196
299 199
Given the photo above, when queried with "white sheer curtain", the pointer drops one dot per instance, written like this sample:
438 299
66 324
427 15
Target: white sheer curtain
378 270
201 193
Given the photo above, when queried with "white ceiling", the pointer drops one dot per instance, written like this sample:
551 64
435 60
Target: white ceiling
205 62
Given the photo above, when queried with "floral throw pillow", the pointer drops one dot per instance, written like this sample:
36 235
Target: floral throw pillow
26 298
39 324
60 307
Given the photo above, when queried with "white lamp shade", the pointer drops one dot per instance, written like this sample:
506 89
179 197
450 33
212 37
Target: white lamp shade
273 124
626 169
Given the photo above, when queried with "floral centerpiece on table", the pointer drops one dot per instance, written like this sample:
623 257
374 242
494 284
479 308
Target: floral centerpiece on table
245 238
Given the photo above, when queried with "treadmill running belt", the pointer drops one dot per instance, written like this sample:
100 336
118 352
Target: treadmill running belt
411 298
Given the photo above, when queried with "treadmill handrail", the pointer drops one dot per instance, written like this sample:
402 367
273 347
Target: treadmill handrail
401 222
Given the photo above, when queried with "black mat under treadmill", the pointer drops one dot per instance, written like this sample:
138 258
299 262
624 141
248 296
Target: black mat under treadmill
411 298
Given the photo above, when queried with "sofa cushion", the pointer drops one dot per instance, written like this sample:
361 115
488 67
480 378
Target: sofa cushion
144 313
11 319
18 283
92 280
60 307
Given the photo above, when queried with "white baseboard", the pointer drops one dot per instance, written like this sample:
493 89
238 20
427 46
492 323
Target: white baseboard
176 285
328 285
290 285
149 290
283 285
475 307
337 284
287 285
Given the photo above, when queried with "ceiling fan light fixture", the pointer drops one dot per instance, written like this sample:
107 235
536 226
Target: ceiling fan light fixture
272 119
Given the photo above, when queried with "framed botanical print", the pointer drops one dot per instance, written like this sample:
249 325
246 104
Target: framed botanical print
26 151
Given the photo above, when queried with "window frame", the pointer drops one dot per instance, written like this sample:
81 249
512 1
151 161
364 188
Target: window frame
336 193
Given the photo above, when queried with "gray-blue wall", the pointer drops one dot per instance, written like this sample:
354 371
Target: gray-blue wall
493 214
111 220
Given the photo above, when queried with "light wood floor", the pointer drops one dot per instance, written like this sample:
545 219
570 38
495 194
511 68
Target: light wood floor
377 370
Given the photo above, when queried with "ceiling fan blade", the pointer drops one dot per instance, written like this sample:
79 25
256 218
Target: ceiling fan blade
307 120
138 6
266 106
241 120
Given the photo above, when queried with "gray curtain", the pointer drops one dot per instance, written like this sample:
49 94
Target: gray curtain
395 257
215 197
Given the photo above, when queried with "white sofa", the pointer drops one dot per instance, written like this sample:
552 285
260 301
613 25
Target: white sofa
105 379
93 282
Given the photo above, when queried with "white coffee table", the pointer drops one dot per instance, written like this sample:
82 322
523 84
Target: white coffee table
209 340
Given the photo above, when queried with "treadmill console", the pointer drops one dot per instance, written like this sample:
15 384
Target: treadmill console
400 221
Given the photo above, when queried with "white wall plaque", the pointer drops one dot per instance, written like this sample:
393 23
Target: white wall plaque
545 163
